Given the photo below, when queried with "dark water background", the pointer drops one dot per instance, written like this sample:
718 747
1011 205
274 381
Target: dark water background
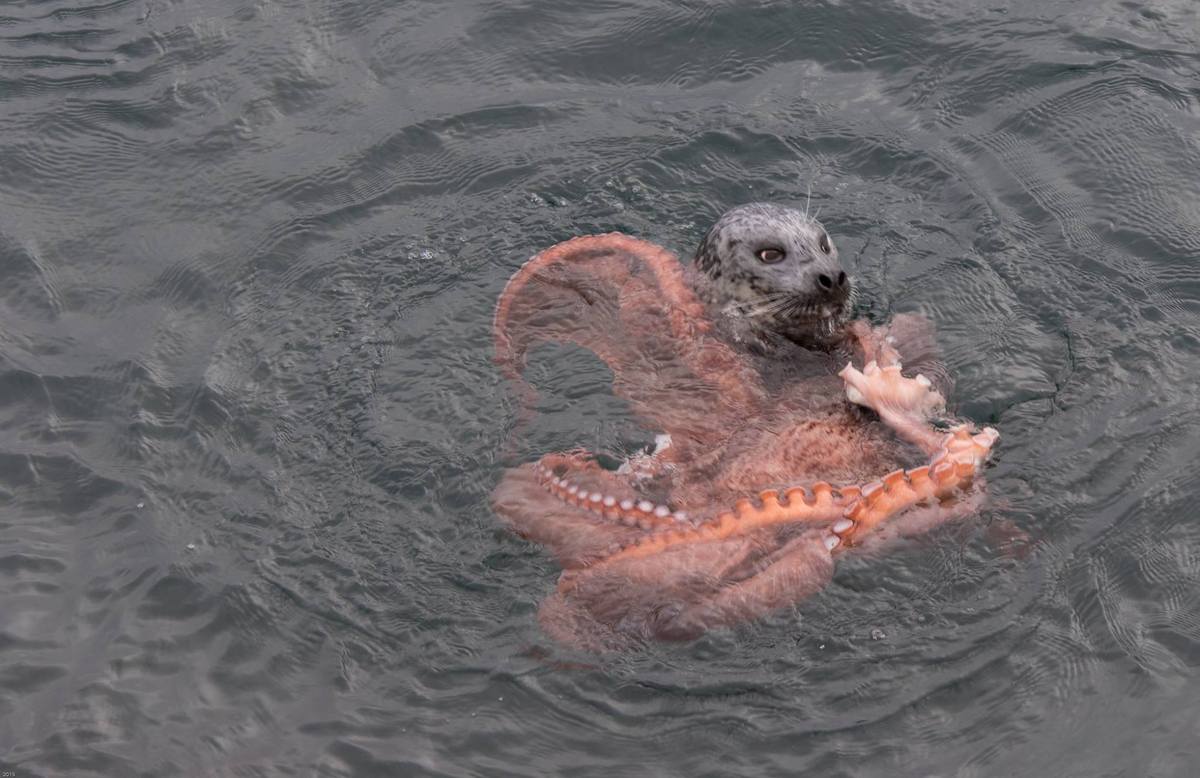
249 425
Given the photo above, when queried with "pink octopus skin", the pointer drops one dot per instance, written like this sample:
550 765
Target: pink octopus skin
761 487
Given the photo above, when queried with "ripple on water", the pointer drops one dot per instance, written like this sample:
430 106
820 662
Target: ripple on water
249 425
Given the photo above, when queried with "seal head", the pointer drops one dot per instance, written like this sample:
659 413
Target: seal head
774 272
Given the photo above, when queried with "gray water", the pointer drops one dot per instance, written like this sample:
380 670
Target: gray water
249 422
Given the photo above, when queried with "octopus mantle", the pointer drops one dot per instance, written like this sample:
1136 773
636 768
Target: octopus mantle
755 488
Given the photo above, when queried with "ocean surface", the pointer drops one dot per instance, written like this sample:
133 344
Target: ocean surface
249 421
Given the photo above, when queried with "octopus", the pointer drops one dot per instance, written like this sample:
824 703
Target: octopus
775 455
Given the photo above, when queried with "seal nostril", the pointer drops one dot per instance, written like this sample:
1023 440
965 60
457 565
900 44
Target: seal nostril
842 279
825 281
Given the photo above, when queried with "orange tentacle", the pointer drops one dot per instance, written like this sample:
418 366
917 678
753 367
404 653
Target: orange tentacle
612 500
952 469
686 311
821 503
860 509
665 292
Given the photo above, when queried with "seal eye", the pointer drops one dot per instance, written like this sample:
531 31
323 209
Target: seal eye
824 243
771 256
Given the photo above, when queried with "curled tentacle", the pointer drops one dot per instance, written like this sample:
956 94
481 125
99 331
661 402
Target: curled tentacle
576 537
904 404
908 335
626 300
685 312
952 469
612 499
885 390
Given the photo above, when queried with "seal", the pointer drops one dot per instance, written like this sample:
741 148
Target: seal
763 473
772 274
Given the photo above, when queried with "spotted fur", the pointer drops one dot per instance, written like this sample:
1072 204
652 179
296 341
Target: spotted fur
803 297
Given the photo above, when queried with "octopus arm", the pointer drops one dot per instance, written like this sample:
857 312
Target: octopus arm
800 569
626 301
904 404
908 335
681 594
576 537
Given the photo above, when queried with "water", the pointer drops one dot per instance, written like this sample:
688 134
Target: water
249 422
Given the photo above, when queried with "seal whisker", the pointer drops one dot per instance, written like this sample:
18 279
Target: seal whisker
797 290
767 305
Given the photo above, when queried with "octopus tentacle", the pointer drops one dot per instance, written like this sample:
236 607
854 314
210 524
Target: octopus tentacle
554 471
685 309
904 404
802 568
820 503
613 294
575 537
854 511
956 464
